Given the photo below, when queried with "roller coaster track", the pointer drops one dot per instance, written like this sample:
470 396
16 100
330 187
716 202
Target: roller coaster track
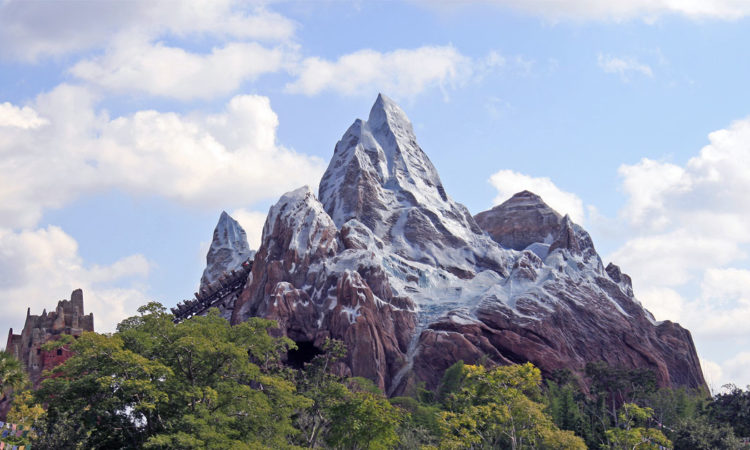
213 294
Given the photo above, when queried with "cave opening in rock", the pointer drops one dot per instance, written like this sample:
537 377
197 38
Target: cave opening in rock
304 353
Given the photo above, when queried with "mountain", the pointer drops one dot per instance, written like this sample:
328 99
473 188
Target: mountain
387 262
229 249
380 176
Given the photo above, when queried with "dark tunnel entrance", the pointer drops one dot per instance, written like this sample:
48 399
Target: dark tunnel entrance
304 353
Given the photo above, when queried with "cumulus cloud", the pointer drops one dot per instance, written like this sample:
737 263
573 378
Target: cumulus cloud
30 30
674 258
252 222
738 368
624 67
688 230
159 70
713 374
196 159
730 283
24 118
39 267
401 73
620 10
664 303
706 196
508 182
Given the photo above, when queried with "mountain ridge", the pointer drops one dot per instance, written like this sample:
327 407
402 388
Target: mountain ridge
388 263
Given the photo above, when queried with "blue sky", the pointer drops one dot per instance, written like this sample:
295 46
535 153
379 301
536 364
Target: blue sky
127 127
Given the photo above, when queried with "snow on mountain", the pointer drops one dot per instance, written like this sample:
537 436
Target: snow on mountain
380 176
228 250
387 262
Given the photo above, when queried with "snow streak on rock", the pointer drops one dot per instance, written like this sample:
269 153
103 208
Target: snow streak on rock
380 176
229 249
387 262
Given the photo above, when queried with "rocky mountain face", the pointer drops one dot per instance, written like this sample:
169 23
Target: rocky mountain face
229 249
380 176
522 221
387 262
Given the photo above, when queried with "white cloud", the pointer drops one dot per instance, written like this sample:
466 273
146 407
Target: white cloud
724 284
30 30
688 241
624 67
160 70
508 182
738 369
197 159
713 374
707 196
252 222
663 303
25 118
619 10
646 185
400 73
39 267
674 258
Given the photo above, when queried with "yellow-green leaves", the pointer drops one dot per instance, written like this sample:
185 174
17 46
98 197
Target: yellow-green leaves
494 408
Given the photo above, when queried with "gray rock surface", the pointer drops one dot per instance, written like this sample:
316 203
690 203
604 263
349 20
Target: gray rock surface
228 250
400 272
380 176
520 221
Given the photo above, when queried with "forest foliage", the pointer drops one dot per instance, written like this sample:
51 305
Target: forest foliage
203 384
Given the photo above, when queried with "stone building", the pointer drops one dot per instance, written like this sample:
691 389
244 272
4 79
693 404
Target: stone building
67 318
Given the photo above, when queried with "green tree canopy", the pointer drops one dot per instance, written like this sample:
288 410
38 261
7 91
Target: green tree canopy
496 408
155 384
12 374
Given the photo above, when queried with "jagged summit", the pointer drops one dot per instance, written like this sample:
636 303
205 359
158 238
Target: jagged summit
229 249
381 177
386 110
387 262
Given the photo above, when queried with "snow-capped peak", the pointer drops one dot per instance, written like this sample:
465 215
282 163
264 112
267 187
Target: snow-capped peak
380 176
385 113
229 249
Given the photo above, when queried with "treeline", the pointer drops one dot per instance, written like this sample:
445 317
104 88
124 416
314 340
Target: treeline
624 409
203 384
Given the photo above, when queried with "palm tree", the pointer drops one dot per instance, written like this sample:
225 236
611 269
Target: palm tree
12 375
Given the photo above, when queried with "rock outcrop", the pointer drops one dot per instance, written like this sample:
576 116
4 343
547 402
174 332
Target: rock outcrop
380 176
229 249
521 221
387 262
318 282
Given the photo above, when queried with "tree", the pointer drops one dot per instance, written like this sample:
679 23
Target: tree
699 434
25 413
14 388
12 375
610 388
420 426
628 436
155 384
451 381
564 408
732 408
324 389
497 409
614 386
363 421
673 405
